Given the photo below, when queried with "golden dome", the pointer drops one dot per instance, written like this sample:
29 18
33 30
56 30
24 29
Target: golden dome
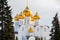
16 18
27 11
32 18
36 16
30 30
21 16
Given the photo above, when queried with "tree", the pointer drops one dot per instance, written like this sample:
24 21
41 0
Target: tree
55 34
2 19
7 31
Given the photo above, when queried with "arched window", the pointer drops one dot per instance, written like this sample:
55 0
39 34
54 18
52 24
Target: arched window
38 29
22 29
45 29
44 38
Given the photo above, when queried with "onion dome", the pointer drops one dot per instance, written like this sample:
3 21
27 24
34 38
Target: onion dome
32 18
36 16
21 16
31 30
27 11
16 17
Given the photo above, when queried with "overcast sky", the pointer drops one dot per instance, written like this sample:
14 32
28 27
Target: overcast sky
46 8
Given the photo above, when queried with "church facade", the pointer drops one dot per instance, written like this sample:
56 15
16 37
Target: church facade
27 26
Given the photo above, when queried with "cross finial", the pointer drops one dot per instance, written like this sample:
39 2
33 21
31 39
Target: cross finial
36 12
27 2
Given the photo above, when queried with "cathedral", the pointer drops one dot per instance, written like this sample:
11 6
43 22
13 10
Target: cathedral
27 26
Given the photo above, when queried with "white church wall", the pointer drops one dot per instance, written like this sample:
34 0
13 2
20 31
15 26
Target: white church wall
36 22
21 21
27 20
16 25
